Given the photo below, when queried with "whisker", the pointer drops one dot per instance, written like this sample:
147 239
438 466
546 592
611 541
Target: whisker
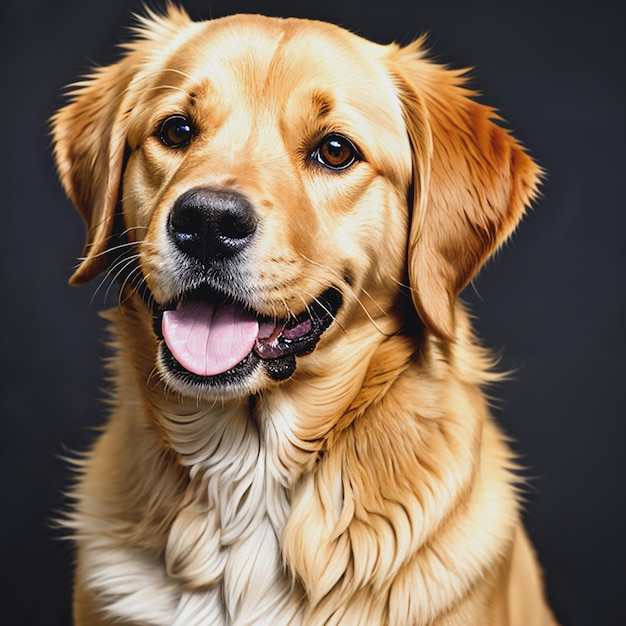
121 268
403 285
321 304
372 300
353 293
107 277
288 312
143 282
120 246
128 196
129 279
131 228
92 228
118 267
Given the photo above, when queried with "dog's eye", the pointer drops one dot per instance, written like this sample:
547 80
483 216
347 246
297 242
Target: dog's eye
336 152
175 131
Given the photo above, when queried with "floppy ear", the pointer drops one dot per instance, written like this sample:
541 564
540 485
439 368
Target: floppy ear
89 137
89 134
472 182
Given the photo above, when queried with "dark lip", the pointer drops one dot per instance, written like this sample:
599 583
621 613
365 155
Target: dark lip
239 373
321 313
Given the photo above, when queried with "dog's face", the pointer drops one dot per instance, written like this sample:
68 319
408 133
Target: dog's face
279 181
258 197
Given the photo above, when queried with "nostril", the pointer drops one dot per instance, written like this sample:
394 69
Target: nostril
186 223
236 222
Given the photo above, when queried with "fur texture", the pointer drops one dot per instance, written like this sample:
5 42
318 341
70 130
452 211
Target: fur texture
359 481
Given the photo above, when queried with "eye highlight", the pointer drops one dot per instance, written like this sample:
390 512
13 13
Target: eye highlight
336 152
176 131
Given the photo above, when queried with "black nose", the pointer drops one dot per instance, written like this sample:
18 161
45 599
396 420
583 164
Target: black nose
207 224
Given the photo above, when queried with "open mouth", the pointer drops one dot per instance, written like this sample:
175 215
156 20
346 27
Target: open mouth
209 338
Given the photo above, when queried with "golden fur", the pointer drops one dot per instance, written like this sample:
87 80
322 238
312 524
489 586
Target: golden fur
371 485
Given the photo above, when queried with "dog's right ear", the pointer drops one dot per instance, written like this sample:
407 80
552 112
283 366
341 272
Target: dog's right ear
89 136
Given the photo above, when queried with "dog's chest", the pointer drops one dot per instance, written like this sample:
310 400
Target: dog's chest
224 547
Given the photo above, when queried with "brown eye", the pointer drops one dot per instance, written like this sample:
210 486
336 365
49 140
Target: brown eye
176 131
336 152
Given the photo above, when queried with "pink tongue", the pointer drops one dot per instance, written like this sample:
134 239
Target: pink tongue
207 340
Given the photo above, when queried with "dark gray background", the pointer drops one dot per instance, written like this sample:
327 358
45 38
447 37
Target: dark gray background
553 302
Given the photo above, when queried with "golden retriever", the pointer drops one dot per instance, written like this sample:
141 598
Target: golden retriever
299 432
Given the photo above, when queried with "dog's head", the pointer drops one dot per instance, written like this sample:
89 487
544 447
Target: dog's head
279 182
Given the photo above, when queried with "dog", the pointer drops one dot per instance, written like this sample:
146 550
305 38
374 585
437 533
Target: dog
299 431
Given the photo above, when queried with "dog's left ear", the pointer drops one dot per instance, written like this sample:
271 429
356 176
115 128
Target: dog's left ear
472 182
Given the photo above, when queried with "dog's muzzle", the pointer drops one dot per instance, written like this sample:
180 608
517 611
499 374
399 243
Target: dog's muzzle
210 335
